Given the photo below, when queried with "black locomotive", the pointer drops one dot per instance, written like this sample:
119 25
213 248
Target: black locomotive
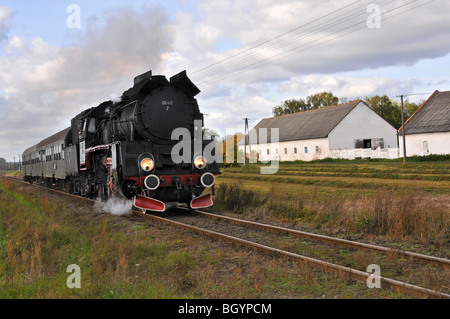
129 148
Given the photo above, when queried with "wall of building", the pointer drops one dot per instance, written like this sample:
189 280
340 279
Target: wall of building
387 153
426 144
305 150
362 123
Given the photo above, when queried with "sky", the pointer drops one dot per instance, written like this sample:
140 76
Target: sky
245 56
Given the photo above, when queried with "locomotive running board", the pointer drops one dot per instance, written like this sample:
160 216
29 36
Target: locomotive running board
148 203
202 202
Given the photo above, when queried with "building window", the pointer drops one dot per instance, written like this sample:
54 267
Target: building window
268 152
295 150
426 150
285 150
306 149
317 149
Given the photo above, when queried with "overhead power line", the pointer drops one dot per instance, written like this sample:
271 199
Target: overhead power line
270 40
286 44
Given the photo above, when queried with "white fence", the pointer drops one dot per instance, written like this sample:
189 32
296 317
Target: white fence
386 153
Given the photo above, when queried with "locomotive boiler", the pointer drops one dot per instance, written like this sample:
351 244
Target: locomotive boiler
129 148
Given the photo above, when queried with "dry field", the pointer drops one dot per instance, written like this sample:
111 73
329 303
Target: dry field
405 205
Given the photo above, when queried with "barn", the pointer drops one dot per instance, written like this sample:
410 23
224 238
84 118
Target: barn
351 130
427 131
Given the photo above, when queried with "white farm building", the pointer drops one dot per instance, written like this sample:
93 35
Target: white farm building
351 130
427 131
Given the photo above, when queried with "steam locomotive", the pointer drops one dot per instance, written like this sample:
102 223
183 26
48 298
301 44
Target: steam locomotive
131 148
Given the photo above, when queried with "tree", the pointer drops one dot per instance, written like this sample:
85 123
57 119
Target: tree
209 133
230 149
322 99
314 101
386 108
410 107
290 106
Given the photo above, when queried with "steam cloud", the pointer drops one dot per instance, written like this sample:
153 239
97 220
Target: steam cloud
114 206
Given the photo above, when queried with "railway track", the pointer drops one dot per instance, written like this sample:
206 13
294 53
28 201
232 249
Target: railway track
441 262
387 283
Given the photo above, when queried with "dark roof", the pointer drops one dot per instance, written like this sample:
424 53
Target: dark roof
49 140
432 116
305 125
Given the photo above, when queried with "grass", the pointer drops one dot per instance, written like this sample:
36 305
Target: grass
37 248
125 257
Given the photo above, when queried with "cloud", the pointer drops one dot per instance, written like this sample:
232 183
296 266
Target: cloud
6 15
44 86
345 86
324 38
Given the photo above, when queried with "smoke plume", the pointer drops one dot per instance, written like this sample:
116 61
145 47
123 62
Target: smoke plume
114 206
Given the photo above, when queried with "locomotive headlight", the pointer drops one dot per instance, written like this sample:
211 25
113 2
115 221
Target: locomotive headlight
147 164
200 162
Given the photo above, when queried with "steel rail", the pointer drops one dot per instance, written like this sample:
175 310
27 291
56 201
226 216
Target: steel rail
445 263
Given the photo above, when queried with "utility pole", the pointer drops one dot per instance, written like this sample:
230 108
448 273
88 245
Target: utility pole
403 133
245 139
247 136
